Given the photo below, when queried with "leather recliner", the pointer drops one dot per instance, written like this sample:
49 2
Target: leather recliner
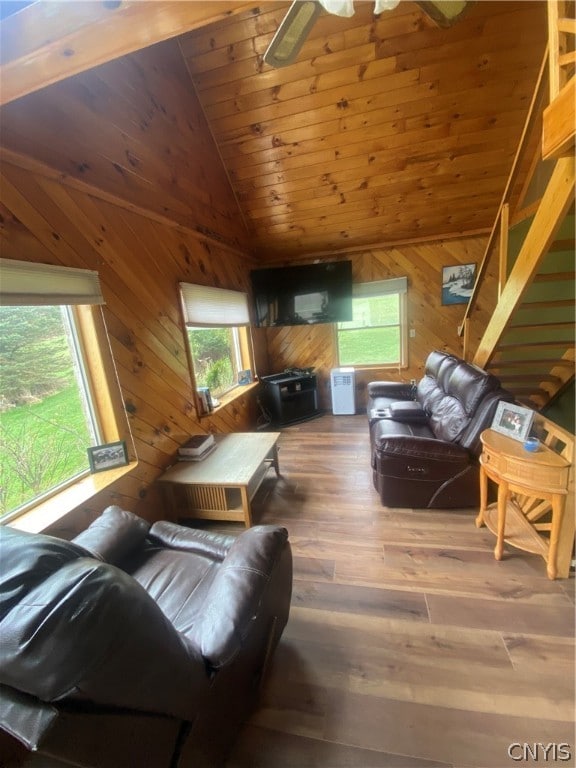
143 624
425 440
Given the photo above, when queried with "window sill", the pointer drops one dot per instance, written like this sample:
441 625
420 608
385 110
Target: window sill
44 515
231 396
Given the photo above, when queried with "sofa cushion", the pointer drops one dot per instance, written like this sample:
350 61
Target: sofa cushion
113 535
433 386
388 428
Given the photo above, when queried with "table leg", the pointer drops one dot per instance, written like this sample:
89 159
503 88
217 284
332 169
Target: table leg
502 503
246 506
275 462
557 513
483 497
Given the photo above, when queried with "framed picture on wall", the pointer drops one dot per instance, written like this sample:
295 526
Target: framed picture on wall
458 283
512 420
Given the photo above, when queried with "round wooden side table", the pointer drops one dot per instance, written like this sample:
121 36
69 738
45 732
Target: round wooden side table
530 485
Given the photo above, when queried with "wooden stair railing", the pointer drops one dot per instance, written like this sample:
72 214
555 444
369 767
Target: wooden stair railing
533 359
559 124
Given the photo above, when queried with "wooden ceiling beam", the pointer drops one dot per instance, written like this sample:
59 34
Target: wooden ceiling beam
49 41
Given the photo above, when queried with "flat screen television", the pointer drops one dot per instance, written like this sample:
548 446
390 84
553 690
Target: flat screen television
303 295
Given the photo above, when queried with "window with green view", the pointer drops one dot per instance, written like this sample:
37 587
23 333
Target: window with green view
46 422
376 333
216 357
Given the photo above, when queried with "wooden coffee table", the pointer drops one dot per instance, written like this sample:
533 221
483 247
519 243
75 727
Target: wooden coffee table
222 486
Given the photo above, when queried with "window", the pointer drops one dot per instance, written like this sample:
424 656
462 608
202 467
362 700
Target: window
46 422
51 410
215 354
376 335
216 328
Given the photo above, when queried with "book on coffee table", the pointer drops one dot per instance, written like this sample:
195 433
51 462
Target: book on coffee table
196 446
200 457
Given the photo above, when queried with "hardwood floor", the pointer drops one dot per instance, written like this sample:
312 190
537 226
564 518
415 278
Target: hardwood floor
408 645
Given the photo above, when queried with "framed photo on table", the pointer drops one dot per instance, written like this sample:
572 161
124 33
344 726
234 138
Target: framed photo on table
512 420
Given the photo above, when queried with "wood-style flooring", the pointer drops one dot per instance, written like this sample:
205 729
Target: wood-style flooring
408 645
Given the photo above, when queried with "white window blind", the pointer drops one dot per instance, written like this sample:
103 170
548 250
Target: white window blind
204 305
380 287
23 283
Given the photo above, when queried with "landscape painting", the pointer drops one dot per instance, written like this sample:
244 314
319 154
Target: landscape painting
458 283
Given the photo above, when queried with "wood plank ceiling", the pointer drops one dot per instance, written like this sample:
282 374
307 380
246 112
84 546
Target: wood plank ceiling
385 129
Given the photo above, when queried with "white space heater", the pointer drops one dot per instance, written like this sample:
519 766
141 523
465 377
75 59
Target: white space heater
343 390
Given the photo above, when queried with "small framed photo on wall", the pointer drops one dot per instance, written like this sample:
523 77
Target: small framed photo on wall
458 283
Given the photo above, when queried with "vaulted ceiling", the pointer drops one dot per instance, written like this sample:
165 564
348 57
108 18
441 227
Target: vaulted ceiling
385 129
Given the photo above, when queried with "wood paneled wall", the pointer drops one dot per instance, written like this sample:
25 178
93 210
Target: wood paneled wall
99 210
133 128
435 326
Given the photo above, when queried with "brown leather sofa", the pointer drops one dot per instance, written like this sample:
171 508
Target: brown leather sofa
156 626
425 439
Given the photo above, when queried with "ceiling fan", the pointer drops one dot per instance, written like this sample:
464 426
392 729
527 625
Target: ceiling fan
302 14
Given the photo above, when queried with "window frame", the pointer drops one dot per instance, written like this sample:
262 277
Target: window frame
197 301
101 380
367 289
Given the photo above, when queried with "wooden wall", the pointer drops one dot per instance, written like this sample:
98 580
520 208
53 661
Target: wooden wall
435 326
86 204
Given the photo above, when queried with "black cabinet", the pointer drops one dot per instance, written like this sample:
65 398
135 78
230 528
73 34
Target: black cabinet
290 397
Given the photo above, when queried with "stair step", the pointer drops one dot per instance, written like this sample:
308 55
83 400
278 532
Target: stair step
551 343
545 362
530 377
562 245
553 277
546 304
542 326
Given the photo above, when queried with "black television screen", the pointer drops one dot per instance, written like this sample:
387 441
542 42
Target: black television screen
305 294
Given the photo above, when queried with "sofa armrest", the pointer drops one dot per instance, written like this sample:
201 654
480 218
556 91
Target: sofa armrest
173 536
114 535
237 591
393 389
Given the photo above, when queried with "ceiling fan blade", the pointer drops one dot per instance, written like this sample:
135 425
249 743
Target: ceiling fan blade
292 32
444 12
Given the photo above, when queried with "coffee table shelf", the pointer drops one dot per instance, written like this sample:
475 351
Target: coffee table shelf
222 486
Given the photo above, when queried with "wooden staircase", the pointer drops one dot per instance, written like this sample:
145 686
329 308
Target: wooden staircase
525 284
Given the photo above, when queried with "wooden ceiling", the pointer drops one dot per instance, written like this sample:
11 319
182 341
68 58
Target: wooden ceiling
386 129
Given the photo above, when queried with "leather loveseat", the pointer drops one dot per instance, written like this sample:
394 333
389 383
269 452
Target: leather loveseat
156 626
425 439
